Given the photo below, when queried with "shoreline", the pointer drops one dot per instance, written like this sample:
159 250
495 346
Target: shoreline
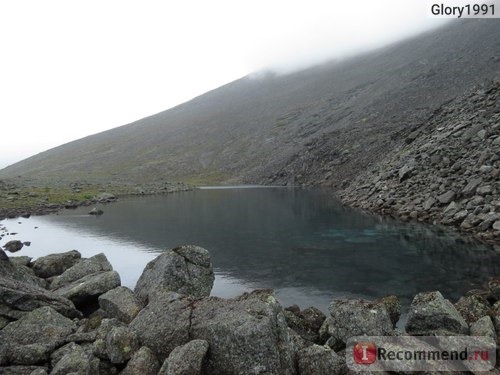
105 326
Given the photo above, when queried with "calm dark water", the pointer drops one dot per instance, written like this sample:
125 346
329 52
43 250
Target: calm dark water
300 242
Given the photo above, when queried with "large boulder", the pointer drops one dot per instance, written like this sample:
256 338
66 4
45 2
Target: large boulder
356 317
187 359
247 334
31 339
120 303
20 273
185 270
250 329
96 264
431 314
143 362
317 359
164 323
16 299
87 289
55 264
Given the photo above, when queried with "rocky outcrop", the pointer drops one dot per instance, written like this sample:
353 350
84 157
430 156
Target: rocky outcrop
190 334
186 270
454 174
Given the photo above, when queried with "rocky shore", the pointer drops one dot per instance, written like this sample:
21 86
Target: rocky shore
64 314
24 201
447 172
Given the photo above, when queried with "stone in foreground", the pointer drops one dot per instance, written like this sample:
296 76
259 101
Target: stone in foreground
186 359
31 339
20 298
143 362
55 264
356 317
185 270
431 314
317 359
120 303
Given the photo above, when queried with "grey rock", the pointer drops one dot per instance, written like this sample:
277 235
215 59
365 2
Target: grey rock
23 260
3 256
429 203
306 323
356 317
32 338
17 296
96 211
120 303
121 344
473 307
247 334
55 264
471 187
106 197
447 197
57 354
77 361
187 359
143 362
393 307
89 287
405 172
431 314
3 322
164 323
13 246
95 264
483 327
20 273
186 270
23 370
484 190
320 360
496 225
494 287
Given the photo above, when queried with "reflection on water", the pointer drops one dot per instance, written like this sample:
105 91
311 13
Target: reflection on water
301 242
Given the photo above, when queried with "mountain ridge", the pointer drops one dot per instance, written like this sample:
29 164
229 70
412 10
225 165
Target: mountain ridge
336 118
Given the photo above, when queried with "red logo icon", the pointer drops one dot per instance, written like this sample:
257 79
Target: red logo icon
365 353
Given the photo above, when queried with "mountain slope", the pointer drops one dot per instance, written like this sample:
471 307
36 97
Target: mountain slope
319 126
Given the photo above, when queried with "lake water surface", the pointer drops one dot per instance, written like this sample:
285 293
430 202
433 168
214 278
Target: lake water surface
301 242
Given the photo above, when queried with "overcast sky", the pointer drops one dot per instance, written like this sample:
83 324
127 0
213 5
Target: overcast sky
72 68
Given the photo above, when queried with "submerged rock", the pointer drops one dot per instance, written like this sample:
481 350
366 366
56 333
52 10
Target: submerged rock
13 246
186 270
430 314
96 211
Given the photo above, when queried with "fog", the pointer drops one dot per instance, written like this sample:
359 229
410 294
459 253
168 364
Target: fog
71 69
